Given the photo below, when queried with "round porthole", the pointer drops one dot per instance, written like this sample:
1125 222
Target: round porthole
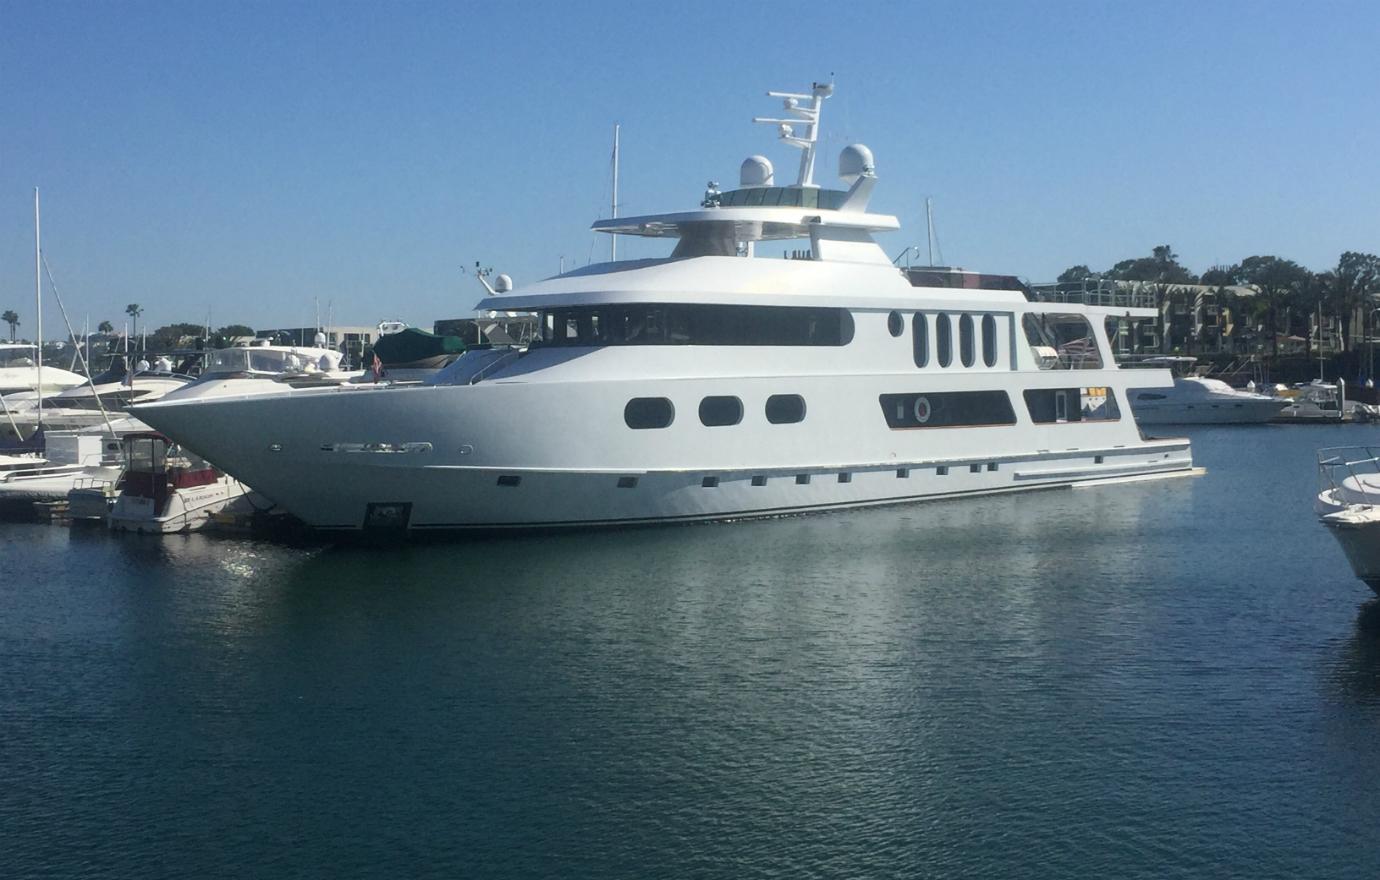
894 325
922 410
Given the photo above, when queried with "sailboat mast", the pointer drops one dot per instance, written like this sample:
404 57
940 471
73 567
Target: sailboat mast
613 239
38 306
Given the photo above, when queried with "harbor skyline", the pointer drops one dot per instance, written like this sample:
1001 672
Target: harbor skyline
255 160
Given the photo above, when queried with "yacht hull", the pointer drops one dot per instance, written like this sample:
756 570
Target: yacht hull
548 455
1357 530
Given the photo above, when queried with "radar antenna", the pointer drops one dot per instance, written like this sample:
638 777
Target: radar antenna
801 109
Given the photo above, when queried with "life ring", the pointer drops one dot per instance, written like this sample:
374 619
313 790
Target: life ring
922 410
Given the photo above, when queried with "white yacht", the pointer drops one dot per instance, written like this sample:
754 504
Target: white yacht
1348 504
720 382
1194 400
89 404
18 372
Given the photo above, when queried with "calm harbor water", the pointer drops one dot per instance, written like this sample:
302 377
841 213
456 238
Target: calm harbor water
1169 679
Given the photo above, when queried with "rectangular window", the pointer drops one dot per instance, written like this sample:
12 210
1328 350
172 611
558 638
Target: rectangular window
903 473
709 482
695 324
845 477
1059 405
991 465
974 468
947 409
627 482
802 479
942 470
509 480
759 480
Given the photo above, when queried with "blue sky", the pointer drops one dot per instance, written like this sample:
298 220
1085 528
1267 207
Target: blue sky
252 158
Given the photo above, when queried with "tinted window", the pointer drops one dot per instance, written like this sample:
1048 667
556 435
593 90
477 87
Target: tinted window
894 324
648 412
716 412
967 348
989 340
1093 404
785 409
943 340
920 339
695 324
947 409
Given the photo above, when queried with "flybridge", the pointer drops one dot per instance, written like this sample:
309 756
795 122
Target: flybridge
728 223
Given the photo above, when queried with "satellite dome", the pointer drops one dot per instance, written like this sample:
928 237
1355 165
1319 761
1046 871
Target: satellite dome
756 171
503 284
855 161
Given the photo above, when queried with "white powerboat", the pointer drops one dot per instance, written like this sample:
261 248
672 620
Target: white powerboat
166 489
1320 401
1348 504
18 372
720 382
1194 400
68 457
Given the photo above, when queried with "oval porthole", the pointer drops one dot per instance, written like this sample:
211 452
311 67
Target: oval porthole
785 409
719 412
922 410
895 325
642 413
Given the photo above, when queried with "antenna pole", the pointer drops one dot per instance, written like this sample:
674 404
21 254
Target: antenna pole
38 306
613 239
929 226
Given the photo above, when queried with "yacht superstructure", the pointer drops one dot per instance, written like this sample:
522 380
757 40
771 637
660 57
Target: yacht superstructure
720 382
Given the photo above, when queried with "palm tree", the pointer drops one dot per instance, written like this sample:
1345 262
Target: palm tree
105 327
134 311
11 318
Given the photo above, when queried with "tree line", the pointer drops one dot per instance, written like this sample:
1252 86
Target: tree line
165 338
1286 292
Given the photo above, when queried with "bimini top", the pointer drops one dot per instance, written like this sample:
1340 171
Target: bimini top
726 223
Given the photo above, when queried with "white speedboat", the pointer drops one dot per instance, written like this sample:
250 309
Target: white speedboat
18 372
719 382
166 489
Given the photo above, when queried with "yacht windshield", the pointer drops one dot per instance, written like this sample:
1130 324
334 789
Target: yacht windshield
17 356
248 360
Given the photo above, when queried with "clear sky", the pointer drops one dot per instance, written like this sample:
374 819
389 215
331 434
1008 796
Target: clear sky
250 158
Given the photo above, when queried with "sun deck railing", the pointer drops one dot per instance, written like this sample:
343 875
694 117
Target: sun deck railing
1337 464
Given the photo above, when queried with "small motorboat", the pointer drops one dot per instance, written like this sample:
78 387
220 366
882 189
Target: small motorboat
167 489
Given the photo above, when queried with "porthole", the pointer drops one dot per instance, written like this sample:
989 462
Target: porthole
642 413
920 339
718 412
943 339
785 409
989 340
967 347
922 409
895 325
